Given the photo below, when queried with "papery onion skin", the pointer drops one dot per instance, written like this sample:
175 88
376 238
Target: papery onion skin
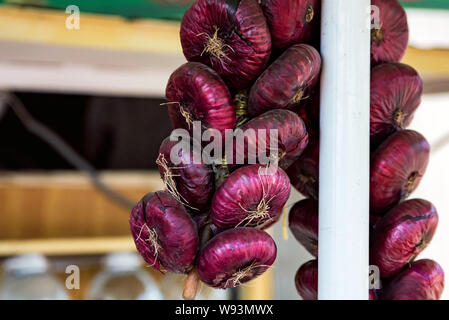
304 172
397 168
423 280
200 92
402 234
232 251
291 22
303 223
389 43
396 91
243 32
306 280
177 234
244 190
292 137
194 182
287 82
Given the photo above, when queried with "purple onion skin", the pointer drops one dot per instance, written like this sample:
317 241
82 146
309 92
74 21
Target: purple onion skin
291 22
390 43
306 280
397 167
177 234
232 251
296 71
244 190
423 280
396 91
304 172
203 94
401 235
194 182
292 136
243 31
303 223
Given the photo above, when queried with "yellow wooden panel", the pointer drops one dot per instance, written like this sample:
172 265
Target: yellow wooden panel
66 205
428 62
96 31
67 246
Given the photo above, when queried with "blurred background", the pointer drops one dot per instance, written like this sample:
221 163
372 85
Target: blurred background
100 87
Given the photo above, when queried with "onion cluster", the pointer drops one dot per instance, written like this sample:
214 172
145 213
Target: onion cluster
400 229
209 221
252 67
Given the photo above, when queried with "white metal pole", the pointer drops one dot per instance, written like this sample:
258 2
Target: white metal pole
344 151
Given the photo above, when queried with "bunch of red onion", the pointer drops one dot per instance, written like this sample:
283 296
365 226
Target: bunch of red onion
401 229
209 221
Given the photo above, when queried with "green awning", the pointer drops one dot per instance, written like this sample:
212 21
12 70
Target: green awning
158 9
428 4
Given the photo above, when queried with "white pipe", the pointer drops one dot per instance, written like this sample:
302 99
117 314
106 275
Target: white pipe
344 151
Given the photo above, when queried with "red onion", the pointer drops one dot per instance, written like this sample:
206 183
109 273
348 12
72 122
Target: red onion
396 91
291 22
164 233
191 184
303 223
402 234
235 257
423 280
397 167
389 42
303 173
287 81
196 93
230 36
306 280
250 197
292 137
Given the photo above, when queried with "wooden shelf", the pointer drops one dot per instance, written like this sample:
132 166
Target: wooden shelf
65 205
67 247
96 31
429 62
